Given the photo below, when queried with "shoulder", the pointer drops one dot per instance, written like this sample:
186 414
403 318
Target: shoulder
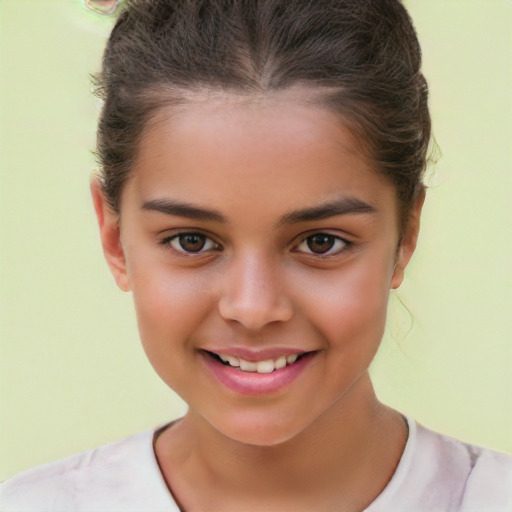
437 472
92 480
479 478
489 483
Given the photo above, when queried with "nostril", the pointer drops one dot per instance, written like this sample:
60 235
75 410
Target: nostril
254 315
253 292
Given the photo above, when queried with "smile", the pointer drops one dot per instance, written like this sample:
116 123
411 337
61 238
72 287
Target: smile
257 377
265 366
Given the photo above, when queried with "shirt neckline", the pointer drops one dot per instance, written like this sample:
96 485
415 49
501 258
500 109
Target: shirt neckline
401 471
386 495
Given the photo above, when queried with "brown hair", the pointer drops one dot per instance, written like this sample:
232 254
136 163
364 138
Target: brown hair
363 54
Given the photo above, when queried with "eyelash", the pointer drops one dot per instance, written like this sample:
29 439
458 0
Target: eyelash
168 241
208 244
336 241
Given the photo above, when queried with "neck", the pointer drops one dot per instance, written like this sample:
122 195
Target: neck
346 456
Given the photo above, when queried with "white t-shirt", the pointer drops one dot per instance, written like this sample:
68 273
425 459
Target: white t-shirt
435 474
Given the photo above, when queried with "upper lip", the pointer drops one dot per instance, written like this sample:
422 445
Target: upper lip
257 355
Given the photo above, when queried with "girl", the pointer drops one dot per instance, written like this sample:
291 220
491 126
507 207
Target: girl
261 193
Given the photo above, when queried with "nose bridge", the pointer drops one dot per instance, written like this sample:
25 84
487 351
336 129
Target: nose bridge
254 293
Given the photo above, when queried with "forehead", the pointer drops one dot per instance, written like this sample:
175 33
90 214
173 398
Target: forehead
254 149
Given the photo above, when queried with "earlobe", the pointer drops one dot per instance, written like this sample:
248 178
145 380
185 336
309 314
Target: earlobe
409 241
108 223
398 270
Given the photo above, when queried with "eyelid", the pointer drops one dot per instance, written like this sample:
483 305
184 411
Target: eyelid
338 238
171 235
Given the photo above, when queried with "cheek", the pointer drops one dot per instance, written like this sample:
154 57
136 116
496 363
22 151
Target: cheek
349 307
169 304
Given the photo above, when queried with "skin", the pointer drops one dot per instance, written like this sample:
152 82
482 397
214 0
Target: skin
323 441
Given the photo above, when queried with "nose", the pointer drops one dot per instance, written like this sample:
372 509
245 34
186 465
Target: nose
254 295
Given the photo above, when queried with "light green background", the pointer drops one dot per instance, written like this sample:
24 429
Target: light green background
72 372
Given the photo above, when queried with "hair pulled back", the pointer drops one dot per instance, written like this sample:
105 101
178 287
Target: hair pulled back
362 55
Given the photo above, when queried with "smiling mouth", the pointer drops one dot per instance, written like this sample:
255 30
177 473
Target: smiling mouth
264 366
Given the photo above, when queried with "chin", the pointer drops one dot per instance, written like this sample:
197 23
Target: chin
260 439
250 429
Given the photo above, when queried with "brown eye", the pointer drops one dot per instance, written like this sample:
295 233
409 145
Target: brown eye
191 243
322 244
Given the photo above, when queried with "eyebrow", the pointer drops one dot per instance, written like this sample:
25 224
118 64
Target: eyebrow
341 206
178 209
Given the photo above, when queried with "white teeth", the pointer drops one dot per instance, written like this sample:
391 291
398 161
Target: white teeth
266 366
234 361
291 359
248 366
280 362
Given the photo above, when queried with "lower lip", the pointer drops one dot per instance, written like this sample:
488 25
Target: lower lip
249 383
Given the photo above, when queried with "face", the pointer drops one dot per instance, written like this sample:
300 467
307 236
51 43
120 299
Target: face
260 247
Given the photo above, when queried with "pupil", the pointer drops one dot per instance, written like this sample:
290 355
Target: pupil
192 242
320 244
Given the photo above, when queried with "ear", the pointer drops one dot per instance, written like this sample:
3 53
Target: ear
409 240
110 234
